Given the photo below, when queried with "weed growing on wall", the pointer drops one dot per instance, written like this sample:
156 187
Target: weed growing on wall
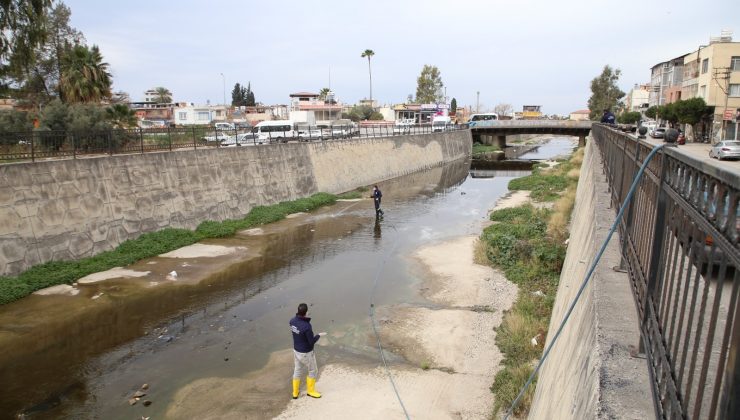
149 245
528 245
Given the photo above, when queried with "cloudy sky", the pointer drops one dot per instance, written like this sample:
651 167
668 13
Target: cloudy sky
541 52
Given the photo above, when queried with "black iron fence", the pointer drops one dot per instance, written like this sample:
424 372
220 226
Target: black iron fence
40 144
680 246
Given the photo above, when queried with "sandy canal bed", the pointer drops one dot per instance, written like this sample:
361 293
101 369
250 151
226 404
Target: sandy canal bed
442 354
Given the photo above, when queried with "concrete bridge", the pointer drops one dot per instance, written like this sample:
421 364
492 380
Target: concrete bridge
495 132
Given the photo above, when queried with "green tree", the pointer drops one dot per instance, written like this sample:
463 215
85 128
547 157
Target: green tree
85 77
691 111
323 92
369 54
238 95
503 110
429 85
629 117
249 95
162 95
604 92
652 112
363 112
22 30
453 106
12 120
121 116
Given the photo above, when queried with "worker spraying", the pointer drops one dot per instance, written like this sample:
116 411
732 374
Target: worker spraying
304 357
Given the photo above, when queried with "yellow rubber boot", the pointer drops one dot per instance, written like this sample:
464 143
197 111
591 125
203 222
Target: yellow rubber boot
296 387
310 390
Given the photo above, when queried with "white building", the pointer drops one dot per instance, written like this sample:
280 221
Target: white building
193 115
638 98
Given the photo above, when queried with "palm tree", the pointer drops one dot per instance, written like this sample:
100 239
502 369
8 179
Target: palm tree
121 116
368 54
84 76
163 95
323 92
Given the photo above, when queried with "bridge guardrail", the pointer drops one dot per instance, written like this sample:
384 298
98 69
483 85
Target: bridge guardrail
679 241
43 144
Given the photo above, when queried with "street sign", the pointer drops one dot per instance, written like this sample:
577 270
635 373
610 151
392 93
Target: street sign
729 114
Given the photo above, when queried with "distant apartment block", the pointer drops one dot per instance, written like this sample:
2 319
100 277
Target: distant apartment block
638 98
665 82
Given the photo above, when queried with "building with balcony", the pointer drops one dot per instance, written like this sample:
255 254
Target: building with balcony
712 72
309 108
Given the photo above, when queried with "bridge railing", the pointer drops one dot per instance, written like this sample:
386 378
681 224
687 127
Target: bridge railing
679 239
44 144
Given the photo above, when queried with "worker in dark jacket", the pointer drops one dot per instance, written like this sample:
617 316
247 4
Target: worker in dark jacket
608 117
303 342
377 195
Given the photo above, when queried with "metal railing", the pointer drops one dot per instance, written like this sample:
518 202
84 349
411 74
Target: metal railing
680 247
33 145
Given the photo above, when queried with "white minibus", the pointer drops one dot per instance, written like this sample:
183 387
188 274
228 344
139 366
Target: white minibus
271 131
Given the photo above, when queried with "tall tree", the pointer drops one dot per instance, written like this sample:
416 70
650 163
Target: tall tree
429 85
22 29
369 54
249 95
237 95
453 106
503 109
120 97
162 95
604 92
85 77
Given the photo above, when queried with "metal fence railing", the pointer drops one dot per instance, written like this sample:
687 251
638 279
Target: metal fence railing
33 145
679 241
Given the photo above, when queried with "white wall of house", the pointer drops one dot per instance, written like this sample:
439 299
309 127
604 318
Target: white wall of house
193 115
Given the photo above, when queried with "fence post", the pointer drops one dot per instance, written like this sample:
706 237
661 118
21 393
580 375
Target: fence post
33 140
195 142
110 145
169 137
141 139
74 145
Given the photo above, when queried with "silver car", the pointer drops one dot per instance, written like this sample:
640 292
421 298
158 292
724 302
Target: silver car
726 149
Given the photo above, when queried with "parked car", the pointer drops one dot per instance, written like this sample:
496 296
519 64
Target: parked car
241 139
403 126
223 126
726 149
658 133
309 133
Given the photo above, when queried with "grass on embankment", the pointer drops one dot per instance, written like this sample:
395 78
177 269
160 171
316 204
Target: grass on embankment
528 244
149 245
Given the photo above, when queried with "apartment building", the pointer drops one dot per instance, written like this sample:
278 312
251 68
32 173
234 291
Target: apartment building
666 81
712 72
638 98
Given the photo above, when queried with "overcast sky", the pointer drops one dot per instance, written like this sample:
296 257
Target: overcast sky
519 52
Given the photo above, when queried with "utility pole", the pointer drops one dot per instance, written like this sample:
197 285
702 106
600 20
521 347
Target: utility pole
477 102
723 73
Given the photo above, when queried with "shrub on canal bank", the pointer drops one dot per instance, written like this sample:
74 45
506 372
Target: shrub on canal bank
481 149
148 245
545 183
528 245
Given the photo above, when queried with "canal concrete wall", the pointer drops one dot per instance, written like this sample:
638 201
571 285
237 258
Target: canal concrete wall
69 209
589 372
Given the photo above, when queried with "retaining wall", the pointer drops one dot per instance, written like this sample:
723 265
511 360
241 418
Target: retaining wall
69 209
589 372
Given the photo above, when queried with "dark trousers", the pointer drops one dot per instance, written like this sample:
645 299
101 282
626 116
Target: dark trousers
378 211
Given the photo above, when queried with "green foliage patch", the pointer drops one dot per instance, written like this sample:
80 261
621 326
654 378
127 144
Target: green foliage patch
148 245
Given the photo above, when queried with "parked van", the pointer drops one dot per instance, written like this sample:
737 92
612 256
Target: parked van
270 131
441 123
476 118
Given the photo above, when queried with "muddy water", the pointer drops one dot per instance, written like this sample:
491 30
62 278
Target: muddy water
75 356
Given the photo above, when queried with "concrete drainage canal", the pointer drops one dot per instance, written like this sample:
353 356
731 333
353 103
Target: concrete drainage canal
212 340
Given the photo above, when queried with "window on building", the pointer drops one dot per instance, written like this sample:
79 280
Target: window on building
735 64
182 116
735 90
704 65
703 91
202 115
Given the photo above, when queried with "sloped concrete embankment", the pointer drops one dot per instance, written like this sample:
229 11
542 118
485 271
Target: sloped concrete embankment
589 373
69 209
